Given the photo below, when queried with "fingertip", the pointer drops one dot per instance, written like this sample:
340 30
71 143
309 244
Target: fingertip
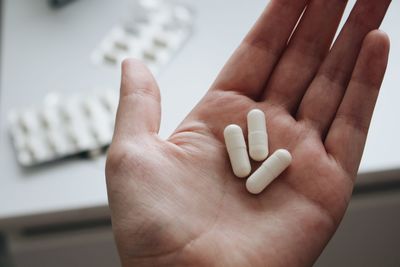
378 41
128 68
385 41
373 59
139 101
137 77
382 35
129 64
133 67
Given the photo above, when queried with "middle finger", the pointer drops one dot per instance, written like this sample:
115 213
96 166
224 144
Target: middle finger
306 50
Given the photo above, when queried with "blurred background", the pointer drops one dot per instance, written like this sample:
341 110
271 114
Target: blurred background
60 71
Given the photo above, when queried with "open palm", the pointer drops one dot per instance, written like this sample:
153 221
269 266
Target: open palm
176 202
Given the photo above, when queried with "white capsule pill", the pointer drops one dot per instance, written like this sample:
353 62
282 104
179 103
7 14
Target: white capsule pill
38 149
237 150
268 171
111 58
257 134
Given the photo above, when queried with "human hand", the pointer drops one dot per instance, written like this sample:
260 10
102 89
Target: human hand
176 202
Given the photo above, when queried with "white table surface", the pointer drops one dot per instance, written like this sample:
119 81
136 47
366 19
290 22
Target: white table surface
44 50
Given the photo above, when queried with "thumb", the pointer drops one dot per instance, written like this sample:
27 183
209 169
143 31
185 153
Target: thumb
139 110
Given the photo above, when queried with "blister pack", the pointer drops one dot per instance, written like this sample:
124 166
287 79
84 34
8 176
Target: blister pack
63 126
153 33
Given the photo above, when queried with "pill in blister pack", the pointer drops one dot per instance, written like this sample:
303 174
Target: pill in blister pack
154 31
75 125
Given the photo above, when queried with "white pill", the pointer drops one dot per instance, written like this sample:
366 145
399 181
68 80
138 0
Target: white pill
98 120
29 122
161 41
110 101
58 142
49 117
122 44
257 134
38 149
268 171
237 150
150 55
182 14
111 58
25 158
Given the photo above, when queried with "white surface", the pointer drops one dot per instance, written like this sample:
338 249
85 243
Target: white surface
45 50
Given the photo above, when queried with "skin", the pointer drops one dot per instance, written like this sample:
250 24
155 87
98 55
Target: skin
176 202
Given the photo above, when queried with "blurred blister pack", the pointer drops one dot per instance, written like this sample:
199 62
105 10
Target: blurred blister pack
63 126
153 31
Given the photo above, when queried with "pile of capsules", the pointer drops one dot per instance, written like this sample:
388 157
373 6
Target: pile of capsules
270 169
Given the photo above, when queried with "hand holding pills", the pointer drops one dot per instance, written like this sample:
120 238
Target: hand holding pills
258 147
177 201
